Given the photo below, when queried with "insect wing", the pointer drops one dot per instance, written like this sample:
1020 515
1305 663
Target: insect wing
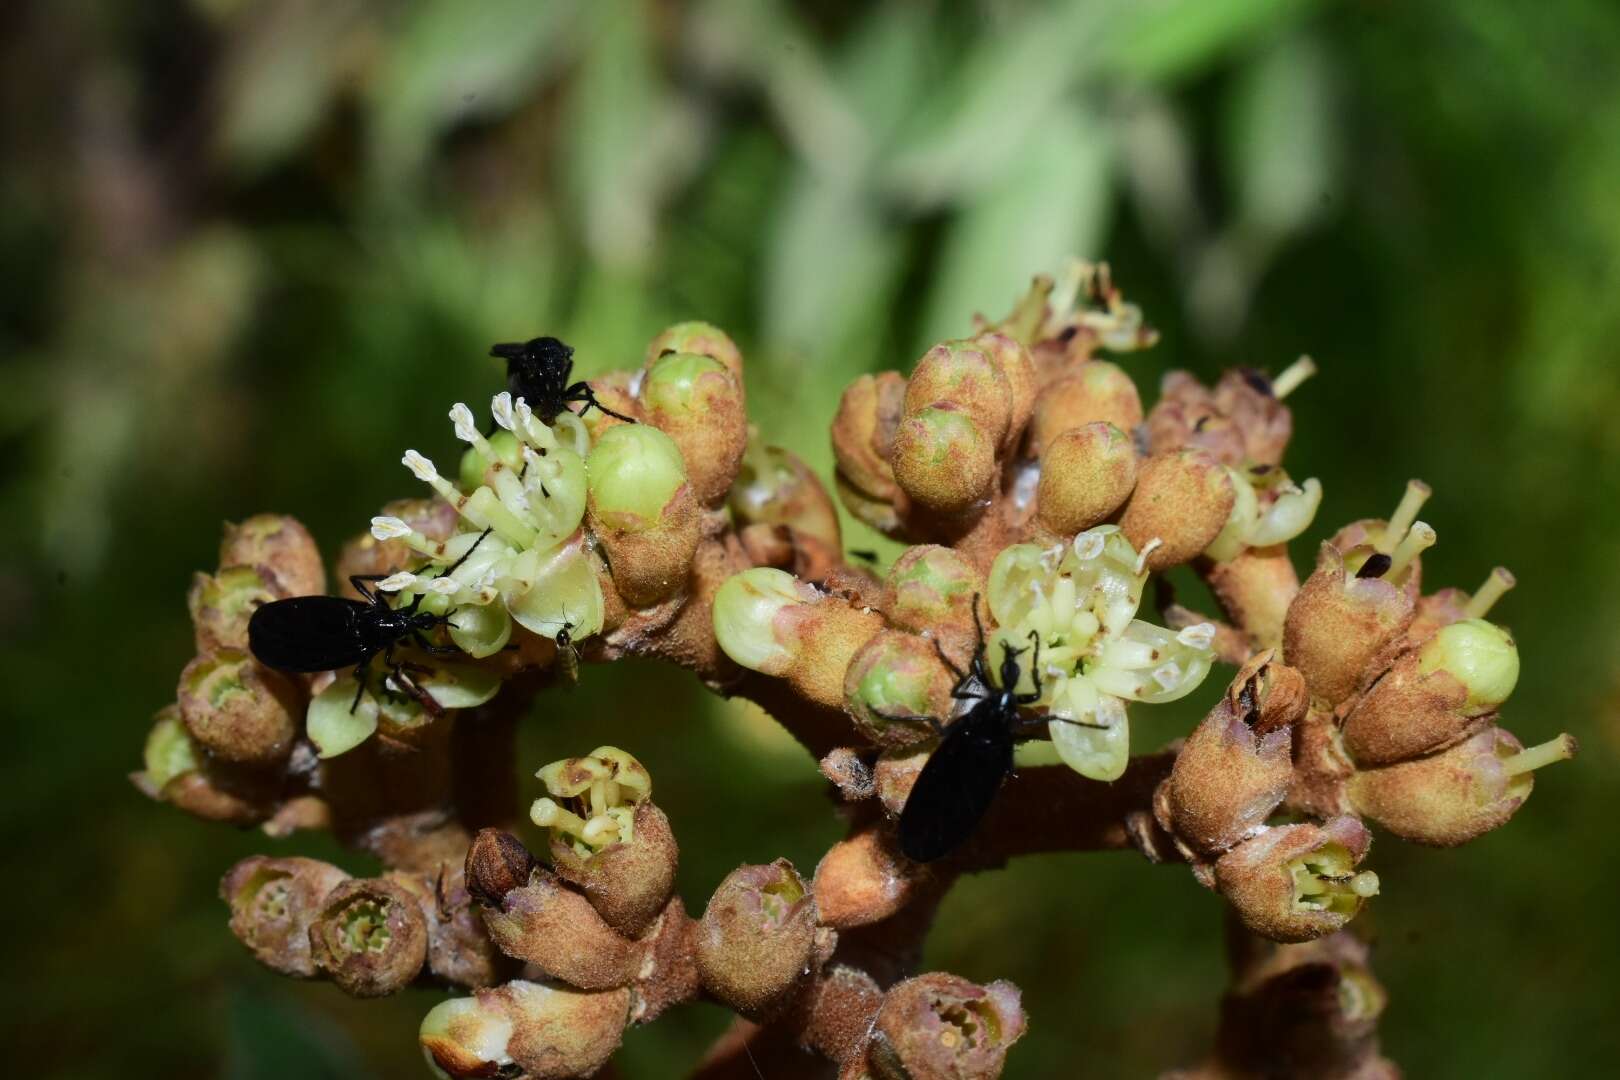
955 787
307 633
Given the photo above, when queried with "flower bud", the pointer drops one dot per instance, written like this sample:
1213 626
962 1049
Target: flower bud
273 904
931 588
221 605
1014 364
238 710
1182 500
174 773
756 937
497 863
699 404
279 545
1338 623
1434 696
895 677
776 488
1451 797
643 511
963 374
370 937
863 432
1298 882
537 1030
556 929
1096 391
1236 766
769 622
943 459
862 880
942 1027
704 339
1087 473
629 881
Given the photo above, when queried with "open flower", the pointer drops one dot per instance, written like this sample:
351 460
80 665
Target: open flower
1079 602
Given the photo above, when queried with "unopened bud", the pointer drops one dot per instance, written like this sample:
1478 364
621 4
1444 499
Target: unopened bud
704 339
642 511
556 929
699 404
862 880
963 373
942 1026
863 433
279 545
1338 623
1463 792
497 863
273 904
943 459
536 1030
1013 362
222 603
756 937
931 588
1298 882
1097 391
1182 500
895 678
237 709
1087 473
370 937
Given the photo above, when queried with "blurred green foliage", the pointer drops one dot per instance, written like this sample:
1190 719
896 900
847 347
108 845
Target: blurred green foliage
251 250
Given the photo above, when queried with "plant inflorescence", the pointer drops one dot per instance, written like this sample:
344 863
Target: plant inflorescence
1038 500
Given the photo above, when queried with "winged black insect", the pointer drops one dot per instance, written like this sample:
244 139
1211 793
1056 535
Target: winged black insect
538 370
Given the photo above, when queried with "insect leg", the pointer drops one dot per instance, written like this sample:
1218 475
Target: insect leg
360 683
904 718
581 391
948 662
453 567
358 583
1034 672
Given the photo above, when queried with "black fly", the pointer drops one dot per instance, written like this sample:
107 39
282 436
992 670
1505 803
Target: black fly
318 633
975 754
537 371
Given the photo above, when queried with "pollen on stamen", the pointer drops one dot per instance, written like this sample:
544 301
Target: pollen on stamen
389 528
395 582
1198 636
421 466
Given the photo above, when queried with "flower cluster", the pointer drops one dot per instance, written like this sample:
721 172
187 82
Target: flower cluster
1036 500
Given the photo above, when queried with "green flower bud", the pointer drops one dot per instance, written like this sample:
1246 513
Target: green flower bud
932 586
944 459
698 402
704 339
894 676
1480 655
745 610
634 471
280 546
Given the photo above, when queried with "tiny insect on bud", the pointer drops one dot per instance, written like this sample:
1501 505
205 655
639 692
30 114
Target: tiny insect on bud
1087 473
1449 798
699 403
1298 882
370 937
1183 499
280 546
756 936
222 603
943 459
237 709
939 1025
1098 391
536 1030
274 902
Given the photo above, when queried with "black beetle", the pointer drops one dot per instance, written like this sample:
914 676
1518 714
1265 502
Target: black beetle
975 753
537 371
318 633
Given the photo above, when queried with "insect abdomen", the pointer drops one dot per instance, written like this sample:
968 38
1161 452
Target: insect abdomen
308 633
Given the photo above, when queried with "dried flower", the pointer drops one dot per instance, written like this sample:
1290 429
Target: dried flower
941 1026
274 902
370 937
237 709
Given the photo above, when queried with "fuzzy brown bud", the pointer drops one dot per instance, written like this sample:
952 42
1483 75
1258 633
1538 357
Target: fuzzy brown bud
1338 623
1298 882
1087 473
1463 792
222 603
629 882
862 880
556 929
1096 391
273 904
944 459
1013 362
863 433
941 1027
370 937
698 402
459 951
963 373
931 588
704 339
238 710
1236 766
535 1030
895 679
1182 500
497 863
279 545
756 938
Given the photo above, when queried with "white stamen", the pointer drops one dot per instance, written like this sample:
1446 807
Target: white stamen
395 582
1088 545
462 418
1199 636
389 528
500 407
421 466
1168 675
1147 549
525 414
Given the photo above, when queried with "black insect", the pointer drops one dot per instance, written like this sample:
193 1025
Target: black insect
537 371
957 785
318 633
864 554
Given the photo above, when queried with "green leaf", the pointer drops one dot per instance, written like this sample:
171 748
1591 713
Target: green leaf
1169 39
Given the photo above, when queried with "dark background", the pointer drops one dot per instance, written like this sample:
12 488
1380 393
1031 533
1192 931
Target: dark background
249 251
